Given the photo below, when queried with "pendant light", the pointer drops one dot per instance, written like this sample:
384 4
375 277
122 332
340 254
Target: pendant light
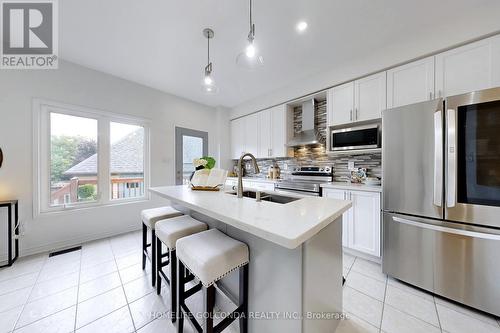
250 57
208 84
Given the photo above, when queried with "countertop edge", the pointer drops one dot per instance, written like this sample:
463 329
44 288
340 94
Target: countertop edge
289 243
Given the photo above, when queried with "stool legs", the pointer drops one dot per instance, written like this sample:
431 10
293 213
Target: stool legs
181 289
153 257
173 285
243 298
241 312
209 309
158 265
144 245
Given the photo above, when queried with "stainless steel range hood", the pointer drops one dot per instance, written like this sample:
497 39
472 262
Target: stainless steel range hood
309 135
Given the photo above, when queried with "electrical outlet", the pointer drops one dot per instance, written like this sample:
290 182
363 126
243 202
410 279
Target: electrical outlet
350 165
285 166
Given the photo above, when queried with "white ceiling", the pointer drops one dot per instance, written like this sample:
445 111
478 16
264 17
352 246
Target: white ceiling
159 43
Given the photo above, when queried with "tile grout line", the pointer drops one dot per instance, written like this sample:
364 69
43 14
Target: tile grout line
123 290
383 304
31 291
78 290
437 314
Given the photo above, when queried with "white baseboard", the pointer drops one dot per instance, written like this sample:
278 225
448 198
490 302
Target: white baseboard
23 252
362 255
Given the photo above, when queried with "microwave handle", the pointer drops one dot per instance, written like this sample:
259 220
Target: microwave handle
451 151
438 158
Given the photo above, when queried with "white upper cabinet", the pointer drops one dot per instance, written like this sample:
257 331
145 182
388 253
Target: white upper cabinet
252 134
265 118
363 99
278 131
364 232
341 104
263 134
370 97
468 68
410 83
237 137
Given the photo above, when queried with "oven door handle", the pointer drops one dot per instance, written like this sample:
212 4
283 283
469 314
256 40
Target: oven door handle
460 232
451 151
438 158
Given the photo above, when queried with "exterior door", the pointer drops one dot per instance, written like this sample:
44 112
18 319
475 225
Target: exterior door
189 144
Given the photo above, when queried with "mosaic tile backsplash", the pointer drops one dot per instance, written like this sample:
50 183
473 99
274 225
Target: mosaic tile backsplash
317 156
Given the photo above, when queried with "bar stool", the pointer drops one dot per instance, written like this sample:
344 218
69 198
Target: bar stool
209 256
149 218
168 232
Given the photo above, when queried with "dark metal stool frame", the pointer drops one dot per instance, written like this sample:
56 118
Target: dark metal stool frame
172 281
12 223
145 253
241 312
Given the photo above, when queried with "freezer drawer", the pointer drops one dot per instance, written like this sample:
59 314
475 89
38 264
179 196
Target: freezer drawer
453 260
408 253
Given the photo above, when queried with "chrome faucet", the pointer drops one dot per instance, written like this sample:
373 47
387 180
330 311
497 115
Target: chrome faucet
240 172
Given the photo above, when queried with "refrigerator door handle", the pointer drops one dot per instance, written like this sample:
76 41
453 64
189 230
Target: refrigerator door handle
459 232
438 158
451 151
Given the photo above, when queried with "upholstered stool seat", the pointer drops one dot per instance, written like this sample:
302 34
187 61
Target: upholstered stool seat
209 256
167 233
149 218
153 215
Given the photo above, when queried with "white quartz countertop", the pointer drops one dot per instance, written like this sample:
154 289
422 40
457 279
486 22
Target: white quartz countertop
288 225
352 186
255 179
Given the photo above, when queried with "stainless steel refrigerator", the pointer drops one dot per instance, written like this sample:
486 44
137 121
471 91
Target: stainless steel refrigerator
441 197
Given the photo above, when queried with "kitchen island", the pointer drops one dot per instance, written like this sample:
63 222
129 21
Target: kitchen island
295 255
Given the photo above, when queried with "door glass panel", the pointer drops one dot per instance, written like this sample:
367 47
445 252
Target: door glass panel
192 147
479 154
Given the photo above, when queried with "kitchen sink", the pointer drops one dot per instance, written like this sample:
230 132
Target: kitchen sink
276 198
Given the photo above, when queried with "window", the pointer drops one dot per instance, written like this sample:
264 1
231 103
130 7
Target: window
73 159
127 161
87 157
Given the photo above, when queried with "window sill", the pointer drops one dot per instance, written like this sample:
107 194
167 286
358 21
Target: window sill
96 205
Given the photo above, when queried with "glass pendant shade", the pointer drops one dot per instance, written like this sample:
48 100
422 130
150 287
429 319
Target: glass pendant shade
208 83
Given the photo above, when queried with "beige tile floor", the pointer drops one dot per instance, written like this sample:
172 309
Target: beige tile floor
102 288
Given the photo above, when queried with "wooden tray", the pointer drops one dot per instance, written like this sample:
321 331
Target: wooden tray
205 188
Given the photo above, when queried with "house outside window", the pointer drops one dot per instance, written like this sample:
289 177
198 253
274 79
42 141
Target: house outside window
88 157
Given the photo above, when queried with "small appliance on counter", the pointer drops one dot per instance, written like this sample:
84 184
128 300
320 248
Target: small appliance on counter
274 172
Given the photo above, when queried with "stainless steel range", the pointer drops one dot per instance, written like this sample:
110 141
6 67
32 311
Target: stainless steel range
306 180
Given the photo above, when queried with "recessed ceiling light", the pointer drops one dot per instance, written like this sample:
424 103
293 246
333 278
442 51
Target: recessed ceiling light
301 26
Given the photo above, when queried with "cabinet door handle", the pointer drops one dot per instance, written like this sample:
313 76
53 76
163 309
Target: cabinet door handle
430 95
270 152
350 115
356 113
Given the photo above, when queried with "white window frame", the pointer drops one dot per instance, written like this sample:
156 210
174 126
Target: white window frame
41 155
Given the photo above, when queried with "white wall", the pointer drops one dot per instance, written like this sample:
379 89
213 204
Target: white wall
429 40
77 85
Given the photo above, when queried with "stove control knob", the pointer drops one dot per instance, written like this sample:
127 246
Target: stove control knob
321 169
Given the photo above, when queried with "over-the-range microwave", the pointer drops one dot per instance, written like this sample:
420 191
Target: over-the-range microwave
355 136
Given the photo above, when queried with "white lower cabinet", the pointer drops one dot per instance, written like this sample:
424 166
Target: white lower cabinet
341 195
361 223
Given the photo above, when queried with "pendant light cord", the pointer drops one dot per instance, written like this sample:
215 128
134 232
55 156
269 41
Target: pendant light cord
208 50
251 28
